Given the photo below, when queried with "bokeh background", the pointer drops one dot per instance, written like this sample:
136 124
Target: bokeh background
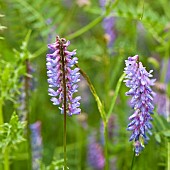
104 36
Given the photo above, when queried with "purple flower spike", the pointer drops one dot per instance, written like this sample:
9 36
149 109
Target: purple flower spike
139 82
36 145
95 154
108 26
62 78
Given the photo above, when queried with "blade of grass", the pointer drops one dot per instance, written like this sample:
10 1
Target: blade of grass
115 95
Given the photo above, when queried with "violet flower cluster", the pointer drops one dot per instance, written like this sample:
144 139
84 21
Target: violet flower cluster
36 144
161 100
95 154
21 106
112 129
108 26
139 82
62 78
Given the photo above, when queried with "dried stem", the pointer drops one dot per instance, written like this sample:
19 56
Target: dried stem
65 111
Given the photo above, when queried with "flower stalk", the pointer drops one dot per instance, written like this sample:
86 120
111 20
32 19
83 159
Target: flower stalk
106 145
63 81
65 111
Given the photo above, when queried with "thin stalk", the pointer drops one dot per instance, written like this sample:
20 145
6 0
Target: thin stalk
27 88
94 93
85 28
93 23
6 159
131 168
106 71
168 145
65 111
115 95
168 155
163 78
38 52
6 153
106 146
117 67
1 113
102 114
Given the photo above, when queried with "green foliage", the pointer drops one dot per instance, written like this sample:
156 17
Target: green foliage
1 27
55 165
12 71
11 134
141 27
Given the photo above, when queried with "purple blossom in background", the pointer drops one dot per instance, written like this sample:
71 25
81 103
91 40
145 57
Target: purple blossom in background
161 100
36 144
61 76
167 79
139 82
51 34
95 154
112 129
22 110
108 26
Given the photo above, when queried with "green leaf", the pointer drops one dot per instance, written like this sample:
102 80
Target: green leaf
166 133
115 95
154 62
93 91
158 137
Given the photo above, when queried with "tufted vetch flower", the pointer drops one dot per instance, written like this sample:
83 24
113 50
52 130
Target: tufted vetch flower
139 82
62 78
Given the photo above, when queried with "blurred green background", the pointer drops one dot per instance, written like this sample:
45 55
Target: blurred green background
140 27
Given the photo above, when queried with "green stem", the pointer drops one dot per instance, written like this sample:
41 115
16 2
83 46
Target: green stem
39 52
6 153
6 159
1 113
65 141
85 28
115 95
168 156
132 161
168 112
117 67
106 146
